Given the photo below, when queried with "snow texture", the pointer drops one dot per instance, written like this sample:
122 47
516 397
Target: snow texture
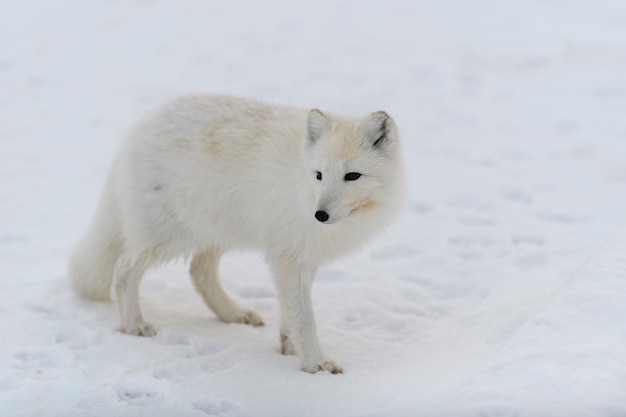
500 292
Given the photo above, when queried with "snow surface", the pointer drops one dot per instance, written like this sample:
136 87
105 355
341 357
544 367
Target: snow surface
500 292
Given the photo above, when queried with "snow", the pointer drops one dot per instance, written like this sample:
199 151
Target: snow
499 292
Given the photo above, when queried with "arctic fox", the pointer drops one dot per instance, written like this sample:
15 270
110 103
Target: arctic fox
205 174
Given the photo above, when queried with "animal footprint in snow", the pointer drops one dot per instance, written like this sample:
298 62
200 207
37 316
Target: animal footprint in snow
140 393
37 362
214 408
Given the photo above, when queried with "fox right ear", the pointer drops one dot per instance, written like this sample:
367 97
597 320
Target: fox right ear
380 130
316 125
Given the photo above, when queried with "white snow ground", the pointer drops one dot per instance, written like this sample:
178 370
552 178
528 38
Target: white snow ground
500 292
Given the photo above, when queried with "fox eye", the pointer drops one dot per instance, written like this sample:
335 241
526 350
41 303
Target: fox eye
352 176
318 175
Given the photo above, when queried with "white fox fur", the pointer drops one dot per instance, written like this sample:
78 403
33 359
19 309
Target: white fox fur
204 174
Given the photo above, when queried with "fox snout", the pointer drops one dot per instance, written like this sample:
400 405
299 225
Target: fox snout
330 209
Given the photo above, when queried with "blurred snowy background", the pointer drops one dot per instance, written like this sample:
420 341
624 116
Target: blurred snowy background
500 292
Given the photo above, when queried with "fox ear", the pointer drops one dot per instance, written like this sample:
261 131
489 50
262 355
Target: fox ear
379 130
316 125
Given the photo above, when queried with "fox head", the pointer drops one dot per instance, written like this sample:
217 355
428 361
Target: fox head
353 165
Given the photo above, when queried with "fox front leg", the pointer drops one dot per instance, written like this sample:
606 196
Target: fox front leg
298 328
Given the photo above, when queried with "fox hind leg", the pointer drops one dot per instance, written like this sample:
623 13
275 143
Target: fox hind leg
125 290
204 275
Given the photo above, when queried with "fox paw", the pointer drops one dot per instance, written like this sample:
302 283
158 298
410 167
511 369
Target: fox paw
250 317
324 365
244 316
141 329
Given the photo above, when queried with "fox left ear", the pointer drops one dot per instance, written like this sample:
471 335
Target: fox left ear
316 125
380 130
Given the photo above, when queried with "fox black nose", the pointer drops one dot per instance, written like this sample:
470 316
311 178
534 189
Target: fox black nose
321 215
